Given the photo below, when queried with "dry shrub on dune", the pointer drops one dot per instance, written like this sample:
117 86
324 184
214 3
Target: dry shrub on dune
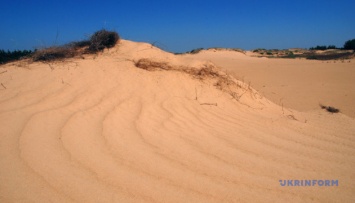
99 41
53 53
102 39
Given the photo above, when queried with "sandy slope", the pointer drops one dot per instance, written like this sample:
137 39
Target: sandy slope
295 83
101 130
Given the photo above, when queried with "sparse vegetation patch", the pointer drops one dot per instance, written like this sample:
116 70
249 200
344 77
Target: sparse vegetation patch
208 71
99 41
150 65
196 51
53 53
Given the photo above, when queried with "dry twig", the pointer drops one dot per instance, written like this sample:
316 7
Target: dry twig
211 104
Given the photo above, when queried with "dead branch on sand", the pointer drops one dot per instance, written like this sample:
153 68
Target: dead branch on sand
211 104
3 86
330 108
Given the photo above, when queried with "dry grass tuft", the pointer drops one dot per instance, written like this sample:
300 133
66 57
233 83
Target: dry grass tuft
53 53
221 81
207 71
149 65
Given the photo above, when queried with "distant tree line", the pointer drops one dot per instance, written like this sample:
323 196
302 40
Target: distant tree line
8 56
323 47
349 45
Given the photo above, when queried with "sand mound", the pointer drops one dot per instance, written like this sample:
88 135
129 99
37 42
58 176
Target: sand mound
101 129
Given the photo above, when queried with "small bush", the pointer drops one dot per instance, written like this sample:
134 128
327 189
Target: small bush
103 39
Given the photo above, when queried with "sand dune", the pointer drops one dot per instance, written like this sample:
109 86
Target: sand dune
100 129
295 83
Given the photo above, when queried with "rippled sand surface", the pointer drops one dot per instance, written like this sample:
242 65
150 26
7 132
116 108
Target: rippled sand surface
100 129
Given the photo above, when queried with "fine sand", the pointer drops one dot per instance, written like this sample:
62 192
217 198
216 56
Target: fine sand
100 129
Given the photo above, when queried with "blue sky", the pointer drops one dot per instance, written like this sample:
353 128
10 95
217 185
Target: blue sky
179 26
